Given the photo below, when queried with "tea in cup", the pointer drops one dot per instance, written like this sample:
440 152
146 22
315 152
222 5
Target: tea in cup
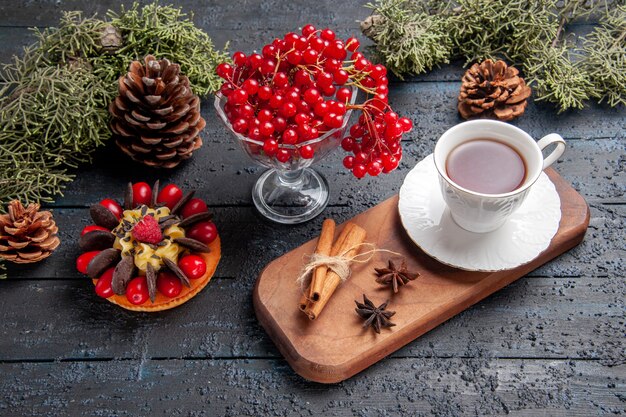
486 169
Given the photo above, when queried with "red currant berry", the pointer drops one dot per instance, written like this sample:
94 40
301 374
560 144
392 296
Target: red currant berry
170 195
310 56
321 108
356 131
255 61
227 89
301 78
193 266
347 143
269 51
268 66
360 157
270 147
301 118
283 155
137 291
83 260
103 285
276 101
374 168
327 35
362 64
205 232
240 126
337 50
333 120
343 95
251 86
317 44
306 152
324 79
331 65
168 284
352 44
239 58
308 30
254 133
224 70
359 170
290 137
113 206
294 57
142 194
406 124
312 96
288 110
304 131
341 76
280 124
329 90
281 80
238 97
265 92
265 115
93 227
193 206
378 71
390 118
390 163
267 128
348 162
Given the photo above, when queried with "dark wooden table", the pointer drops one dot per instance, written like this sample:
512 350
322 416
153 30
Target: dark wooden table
552 344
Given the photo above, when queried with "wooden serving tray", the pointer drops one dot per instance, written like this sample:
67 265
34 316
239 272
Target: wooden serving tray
335 346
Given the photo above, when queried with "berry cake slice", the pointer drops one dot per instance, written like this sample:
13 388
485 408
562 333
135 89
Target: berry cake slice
155 253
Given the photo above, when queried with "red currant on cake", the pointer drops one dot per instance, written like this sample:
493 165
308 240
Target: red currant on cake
155 253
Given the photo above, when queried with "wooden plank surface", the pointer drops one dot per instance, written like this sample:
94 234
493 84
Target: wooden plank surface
242 387
549 344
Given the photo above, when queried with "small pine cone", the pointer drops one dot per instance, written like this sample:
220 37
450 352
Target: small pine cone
26 234
156 118
111 39
493 90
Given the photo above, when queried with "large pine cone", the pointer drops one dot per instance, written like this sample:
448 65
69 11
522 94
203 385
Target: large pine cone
156 117
27 234
493 90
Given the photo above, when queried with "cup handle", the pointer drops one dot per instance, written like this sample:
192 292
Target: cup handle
556 153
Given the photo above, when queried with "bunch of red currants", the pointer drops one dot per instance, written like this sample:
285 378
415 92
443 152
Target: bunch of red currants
301 87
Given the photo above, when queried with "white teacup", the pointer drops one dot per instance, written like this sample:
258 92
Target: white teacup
479 212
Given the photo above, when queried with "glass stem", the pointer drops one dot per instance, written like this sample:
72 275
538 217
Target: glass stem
291 179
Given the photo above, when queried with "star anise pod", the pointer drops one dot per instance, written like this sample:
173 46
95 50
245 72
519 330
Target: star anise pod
376 317
395 277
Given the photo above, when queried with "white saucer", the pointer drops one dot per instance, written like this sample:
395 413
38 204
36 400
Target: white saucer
521 239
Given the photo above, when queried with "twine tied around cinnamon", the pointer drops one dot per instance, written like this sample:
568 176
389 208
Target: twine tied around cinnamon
339 264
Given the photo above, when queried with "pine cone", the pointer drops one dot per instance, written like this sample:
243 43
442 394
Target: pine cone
493 90
111 39
156 117
27 234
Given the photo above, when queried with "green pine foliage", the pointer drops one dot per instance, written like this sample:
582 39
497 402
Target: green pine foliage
54 99
605 51
415 36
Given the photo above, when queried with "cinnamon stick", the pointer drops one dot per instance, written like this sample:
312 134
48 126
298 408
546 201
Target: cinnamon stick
346 245
324 247
304 300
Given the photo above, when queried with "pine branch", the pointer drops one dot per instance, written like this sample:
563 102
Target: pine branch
54 98
527 34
